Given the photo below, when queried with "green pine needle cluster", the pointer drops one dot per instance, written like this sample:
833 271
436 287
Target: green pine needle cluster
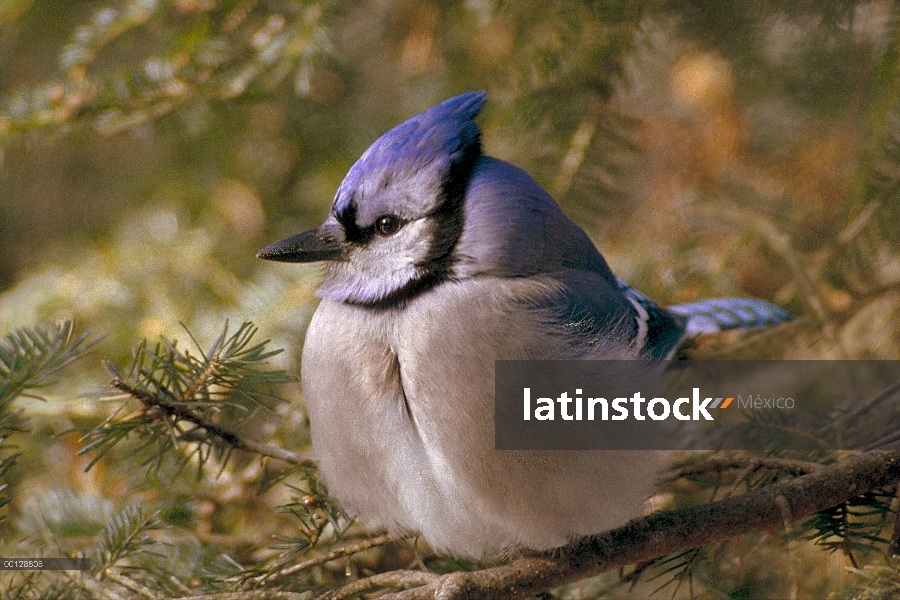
873 582
217 51
126 536
183 398
29 358
858 526
174 407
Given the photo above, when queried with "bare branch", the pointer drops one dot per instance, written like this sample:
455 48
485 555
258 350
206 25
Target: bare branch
667 532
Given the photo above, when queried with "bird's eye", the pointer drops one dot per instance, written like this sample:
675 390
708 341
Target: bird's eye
387 225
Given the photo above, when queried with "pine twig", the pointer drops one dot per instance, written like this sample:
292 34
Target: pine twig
227 435
132 585
393 579
88 584
347 550
718 464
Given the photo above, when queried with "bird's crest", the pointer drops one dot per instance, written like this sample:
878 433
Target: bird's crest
429 145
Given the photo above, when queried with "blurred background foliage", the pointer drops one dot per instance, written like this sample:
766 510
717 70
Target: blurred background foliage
148 148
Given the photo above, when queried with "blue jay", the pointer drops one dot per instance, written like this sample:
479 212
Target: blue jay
440 260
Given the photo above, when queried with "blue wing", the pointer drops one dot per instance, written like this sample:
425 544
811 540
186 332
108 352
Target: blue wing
596 313
660 331
657 331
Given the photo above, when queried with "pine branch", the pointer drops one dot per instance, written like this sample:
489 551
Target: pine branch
394 579
343 551
853 526
240 50
717 464
314 514
29 357
224 433
664 533
126 536
879 582
184 397
132 585
90 588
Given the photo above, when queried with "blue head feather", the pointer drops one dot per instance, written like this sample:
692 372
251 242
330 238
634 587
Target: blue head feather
426 154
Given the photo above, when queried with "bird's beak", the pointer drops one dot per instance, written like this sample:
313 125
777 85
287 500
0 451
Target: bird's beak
310 246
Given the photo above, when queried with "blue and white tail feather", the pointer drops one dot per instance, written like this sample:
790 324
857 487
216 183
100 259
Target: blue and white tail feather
711 316
659 332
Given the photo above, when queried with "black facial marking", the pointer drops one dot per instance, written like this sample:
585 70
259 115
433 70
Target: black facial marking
437 266
449 213
347 218
400 297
